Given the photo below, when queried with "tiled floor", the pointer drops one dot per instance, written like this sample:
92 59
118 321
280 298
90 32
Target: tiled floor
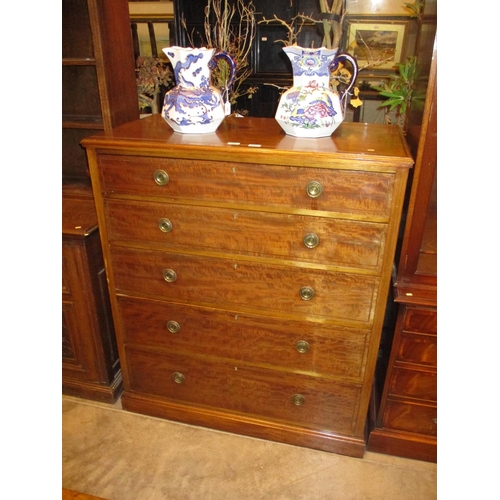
118 455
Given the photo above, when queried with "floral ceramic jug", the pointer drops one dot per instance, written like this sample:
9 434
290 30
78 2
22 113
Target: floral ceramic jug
311 108
194 106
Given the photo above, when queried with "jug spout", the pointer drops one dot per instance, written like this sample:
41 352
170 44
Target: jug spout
190 65
307 63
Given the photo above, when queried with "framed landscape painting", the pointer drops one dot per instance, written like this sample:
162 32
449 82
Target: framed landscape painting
377 44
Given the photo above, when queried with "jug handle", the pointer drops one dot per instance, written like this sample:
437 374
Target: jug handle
232 72
354 76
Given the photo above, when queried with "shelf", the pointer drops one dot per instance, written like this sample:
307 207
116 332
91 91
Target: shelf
83 122
152 17
78 61
411 293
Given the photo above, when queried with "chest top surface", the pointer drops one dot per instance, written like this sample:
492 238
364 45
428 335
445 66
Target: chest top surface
260 140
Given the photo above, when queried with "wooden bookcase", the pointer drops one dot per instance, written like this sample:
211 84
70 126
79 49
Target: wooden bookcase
98 93
98 76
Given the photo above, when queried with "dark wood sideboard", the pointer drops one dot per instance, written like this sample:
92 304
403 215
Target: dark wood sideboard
249 271
90 363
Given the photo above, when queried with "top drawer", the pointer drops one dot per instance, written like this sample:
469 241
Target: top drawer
366 194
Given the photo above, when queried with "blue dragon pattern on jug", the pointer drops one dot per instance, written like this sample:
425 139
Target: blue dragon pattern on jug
194 105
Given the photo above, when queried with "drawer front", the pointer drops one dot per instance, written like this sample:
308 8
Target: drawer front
418 349
411 417
414 384
420 320
244 389
350 192
334 241
221 282
293 345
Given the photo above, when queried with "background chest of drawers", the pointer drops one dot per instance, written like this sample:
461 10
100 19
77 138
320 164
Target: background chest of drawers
407 419
249 272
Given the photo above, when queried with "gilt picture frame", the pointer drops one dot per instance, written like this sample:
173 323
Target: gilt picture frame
376 43
377 8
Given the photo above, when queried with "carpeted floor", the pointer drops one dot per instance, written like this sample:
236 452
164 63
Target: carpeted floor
117 455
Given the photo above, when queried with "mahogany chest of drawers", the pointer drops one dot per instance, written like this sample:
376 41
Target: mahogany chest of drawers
249 272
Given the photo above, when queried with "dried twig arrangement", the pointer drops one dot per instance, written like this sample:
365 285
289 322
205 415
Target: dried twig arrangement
230 28
332 18
294 27
332 35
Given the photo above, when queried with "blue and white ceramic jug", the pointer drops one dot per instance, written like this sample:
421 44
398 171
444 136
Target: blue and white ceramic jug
311 108
194 106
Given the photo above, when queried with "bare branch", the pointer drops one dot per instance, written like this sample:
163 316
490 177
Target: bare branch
293 32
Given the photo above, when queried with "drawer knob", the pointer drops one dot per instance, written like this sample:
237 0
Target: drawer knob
298 399
302 346
161 177
306 293
165 225
169 275
178 377
314 189
173 326
311 240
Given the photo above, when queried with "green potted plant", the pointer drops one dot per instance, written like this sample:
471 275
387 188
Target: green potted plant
400 91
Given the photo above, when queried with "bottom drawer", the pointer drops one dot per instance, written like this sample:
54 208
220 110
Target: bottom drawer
309 401
411 417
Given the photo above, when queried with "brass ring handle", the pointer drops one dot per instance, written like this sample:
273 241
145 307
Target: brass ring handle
173 326
314 189
178 377
161 177
165 225
169 275
306 293
311 240
302 346
298 399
